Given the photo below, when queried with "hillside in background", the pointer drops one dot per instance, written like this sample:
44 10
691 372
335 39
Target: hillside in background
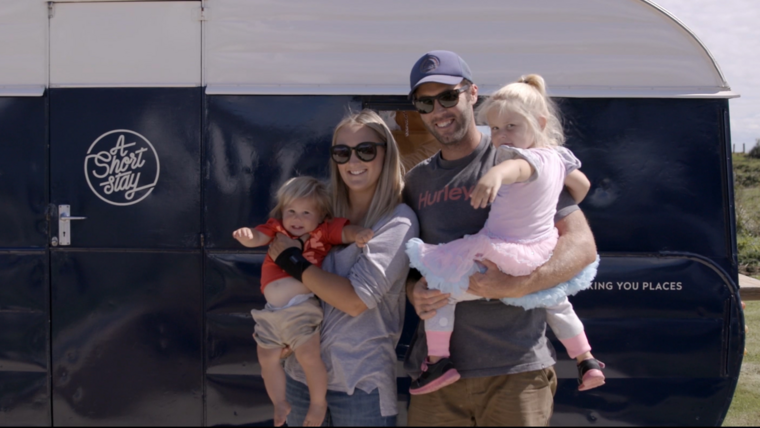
747 195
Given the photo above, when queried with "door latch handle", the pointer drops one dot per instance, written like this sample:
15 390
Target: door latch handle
64 224
66 217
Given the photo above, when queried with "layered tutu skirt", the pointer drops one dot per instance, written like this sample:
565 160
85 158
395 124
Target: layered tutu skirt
447 267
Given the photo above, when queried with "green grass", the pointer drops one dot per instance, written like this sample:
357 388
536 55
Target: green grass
747 202
746 170
745 407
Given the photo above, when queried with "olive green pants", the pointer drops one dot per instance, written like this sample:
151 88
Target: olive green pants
520 399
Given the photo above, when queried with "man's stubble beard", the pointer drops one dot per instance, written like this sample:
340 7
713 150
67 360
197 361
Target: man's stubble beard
462 123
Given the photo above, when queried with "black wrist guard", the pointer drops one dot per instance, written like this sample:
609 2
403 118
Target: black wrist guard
293 262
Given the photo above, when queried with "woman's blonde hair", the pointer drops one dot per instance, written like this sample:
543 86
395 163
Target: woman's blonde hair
527 97
391 181
303 187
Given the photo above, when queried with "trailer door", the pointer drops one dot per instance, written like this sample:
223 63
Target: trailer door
126 263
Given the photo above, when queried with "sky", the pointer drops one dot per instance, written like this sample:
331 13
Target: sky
730 29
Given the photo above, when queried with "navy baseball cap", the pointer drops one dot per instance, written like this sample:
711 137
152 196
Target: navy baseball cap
440 67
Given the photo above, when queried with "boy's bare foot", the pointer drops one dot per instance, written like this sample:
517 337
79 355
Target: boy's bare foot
316 414
281 412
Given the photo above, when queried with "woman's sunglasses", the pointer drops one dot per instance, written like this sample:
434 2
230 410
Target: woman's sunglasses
366 152
446 99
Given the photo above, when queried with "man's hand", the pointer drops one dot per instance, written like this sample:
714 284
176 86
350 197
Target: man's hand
575 250
426 301
494 284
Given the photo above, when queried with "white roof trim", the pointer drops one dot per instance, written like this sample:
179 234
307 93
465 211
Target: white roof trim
564 92
125 85
584 48
698 40
22 91
630 48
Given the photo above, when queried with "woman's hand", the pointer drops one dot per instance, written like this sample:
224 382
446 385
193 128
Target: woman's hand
280 243
426 301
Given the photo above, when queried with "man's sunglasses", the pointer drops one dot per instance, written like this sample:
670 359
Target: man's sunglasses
446 99
366 152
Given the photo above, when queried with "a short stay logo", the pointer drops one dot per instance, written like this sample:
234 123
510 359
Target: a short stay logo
121 167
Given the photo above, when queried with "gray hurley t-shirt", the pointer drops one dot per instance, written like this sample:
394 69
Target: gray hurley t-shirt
360 352
489 338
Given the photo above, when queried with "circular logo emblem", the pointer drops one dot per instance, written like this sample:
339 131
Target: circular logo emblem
429 64
121 167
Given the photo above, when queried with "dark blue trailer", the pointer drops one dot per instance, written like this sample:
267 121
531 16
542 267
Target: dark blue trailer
136 135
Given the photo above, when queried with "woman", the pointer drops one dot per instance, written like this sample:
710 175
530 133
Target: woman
362 291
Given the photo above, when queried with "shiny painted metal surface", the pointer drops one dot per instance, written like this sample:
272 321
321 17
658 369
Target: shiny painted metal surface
24 283
253 145
657 170
663 326
169 118
235 392
23 172
127 296
660 208
24 339
126 338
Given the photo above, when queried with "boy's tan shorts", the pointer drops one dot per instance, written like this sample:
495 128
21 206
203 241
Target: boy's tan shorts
291 326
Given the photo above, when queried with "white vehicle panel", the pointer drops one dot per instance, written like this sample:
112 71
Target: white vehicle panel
23 59
125 44
581 47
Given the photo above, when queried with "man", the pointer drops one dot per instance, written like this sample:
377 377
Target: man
501 351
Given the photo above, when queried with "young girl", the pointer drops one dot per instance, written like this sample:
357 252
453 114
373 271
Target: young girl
292 315
519 234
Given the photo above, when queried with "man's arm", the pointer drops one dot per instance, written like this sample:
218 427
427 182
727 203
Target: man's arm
575 250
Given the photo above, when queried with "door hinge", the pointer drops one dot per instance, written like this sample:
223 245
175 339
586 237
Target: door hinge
51 9
202 13
51 210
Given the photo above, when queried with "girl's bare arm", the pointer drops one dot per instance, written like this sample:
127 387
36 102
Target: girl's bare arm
578 185
507 172
251 237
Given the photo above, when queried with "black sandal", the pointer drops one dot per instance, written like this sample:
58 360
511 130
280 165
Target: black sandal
590 374
434 377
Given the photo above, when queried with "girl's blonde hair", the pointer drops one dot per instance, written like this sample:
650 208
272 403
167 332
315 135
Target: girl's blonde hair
303 187
527 97
391 181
